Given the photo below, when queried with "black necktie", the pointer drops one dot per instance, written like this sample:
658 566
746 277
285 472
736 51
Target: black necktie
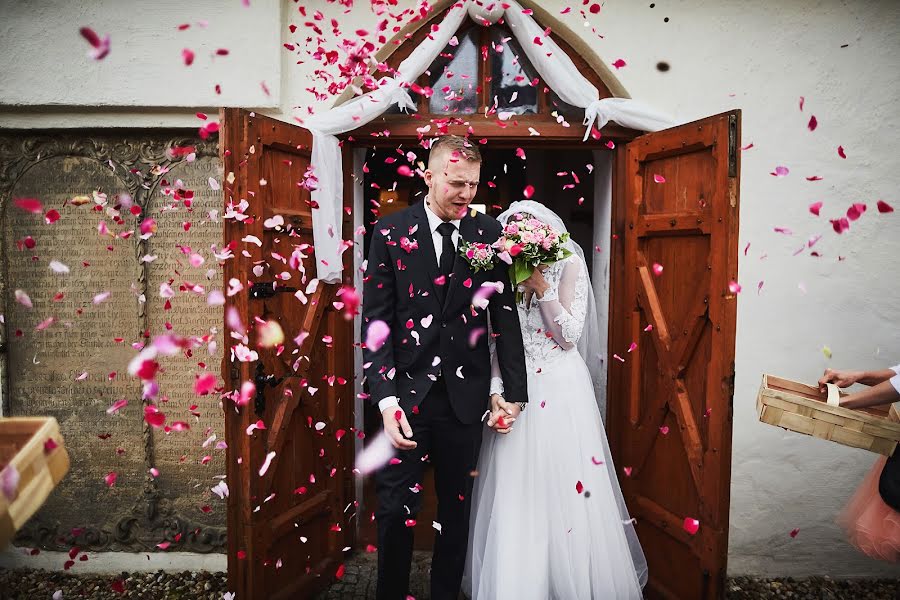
448 250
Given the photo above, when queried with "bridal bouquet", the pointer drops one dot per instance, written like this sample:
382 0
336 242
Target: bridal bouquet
526 243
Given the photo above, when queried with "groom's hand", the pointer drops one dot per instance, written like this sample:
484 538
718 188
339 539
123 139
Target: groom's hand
503 414
396 426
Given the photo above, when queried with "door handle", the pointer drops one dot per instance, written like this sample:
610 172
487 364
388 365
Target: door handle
262 379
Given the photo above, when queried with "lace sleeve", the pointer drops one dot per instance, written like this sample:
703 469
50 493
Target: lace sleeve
496 377
563 309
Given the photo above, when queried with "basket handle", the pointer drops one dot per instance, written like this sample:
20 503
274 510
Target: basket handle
834 396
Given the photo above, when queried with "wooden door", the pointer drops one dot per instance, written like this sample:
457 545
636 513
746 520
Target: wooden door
287 524
675 226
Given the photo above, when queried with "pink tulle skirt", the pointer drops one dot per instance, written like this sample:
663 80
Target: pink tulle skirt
871 525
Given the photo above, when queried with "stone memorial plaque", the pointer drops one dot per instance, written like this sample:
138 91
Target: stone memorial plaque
78 295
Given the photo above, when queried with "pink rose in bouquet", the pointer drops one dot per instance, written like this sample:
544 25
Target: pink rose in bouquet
526 243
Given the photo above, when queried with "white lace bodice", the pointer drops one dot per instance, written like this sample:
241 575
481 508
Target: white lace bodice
551 325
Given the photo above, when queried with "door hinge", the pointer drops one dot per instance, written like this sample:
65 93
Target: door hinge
268 289
732 145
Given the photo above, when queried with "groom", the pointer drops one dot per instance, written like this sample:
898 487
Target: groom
431 376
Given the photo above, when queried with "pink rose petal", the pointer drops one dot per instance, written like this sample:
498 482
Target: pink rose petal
100 46
32 205
815 207
691 525
117 406
376 335
51 216
528 192
658 178
855 211
9 482
204 384
375 455
153 417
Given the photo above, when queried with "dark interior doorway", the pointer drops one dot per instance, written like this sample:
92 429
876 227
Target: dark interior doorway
562 178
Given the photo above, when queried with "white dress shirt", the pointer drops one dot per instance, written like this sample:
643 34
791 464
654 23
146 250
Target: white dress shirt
438 240
895 380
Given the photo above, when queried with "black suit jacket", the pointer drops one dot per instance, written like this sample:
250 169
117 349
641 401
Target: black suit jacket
399 289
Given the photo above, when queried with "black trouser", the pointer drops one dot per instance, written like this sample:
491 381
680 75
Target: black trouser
452 448
889 482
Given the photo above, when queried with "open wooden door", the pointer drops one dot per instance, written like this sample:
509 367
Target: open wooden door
286 524
670 407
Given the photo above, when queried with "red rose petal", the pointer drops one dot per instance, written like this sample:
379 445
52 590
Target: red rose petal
884 207
32 205
691 525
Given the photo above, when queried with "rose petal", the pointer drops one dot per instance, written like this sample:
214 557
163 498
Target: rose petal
266 463
376 334
32 205
9 482
204 384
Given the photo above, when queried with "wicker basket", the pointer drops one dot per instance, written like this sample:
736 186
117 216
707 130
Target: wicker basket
804 409
24 446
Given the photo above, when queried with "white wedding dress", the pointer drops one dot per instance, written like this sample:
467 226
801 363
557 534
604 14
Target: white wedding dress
548 520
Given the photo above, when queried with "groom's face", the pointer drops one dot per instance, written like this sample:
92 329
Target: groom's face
452 181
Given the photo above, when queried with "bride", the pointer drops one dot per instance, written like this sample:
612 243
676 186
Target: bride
548 519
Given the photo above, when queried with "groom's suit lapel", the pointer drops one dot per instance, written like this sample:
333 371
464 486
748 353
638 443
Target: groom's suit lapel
426 257
468 232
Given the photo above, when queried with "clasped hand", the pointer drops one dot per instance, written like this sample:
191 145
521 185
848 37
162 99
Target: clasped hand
503 414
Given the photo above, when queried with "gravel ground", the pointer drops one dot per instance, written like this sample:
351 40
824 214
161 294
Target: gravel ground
21 584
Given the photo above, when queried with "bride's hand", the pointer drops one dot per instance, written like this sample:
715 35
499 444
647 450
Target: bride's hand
535 284
503 414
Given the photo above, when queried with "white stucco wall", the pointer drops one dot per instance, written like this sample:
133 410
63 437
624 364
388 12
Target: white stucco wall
757 56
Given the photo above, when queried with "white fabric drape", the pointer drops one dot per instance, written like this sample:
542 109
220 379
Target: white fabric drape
553 65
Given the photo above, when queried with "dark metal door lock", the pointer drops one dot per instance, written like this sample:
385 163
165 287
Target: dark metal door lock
261 379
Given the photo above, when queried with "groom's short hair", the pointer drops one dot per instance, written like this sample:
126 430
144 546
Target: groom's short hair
454 147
